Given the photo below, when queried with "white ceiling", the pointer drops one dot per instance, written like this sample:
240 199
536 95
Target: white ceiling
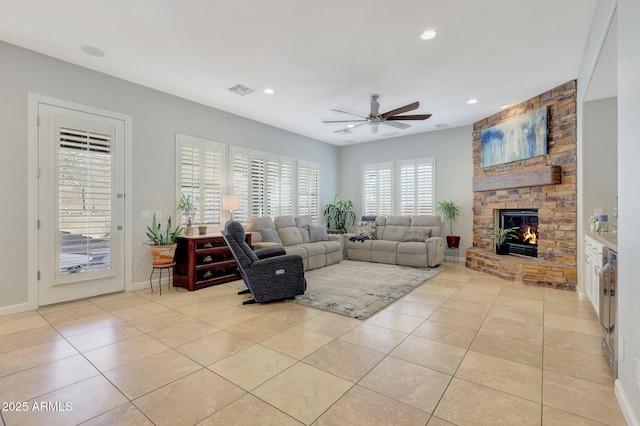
317 55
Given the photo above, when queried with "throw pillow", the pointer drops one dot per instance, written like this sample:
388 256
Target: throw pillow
270 236
318 233
418 235
367 229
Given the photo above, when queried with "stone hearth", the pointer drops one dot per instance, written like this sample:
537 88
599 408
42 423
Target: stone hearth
556 202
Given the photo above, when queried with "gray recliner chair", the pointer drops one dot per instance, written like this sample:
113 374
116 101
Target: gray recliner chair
269 274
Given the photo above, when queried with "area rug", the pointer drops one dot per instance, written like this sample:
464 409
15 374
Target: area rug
359 289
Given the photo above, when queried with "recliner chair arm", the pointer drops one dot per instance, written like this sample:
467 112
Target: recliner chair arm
268 252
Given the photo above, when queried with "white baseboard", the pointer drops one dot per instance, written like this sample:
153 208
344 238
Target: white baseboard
625 405
137 286
16 309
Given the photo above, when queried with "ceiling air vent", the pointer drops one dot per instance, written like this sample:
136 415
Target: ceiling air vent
442 126
241 90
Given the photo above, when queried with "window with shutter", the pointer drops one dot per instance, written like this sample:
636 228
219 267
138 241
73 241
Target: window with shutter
377 189
416 186
84 197
264 183
308 189
200 174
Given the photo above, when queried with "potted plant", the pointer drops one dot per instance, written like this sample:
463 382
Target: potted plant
202 228
339 215
162 245
450 212
187 209
500 237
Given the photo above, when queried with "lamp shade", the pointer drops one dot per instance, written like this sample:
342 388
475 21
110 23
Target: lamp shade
230 202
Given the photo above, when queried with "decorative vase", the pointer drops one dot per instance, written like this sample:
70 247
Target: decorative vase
202 229
453 241
502 248
162 255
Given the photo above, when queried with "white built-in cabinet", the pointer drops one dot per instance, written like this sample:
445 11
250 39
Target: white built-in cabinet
592 266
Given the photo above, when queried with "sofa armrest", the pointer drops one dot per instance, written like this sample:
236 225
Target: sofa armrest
435 251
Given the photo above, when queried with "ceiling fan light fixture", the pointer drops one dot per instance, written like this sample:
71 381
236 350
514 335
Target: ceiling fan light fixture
428 35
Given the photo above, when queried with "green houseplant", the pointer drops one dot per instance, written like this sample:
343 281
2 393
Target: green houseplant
187 209
500 237
339 214
450 212
162 244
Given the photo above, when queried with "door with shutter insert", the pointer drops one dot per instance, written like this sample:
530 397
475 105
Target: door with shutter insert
80 204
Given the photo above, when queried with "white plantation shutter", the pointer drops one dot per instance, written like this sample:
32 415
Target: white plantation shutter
240 166
200 175
84 199
416 186
308 189
377 189
264 183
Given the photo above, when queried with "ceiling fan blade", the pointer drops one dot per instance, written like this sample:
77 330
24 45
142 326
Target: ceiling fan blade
400 110
350 113
375 107
410 117
397 124
343 121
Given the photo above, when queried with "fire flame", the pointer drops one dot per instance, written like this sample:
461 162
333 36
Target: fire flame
530 237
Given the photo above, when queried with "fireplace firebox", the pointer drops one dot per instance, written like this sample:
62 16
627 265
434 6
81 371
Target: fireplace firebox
525 240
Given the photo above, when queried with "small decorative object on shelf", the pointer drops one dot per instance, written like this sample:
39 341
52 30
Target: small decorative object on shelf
187 209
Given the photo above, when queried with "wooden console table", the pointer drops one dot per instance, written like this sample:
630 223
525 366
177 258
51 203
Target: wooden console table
203 261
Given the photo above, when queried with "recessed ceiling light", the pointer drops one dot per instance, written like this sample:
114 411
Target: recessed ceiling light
472 101
93 51
428 35
350 125
269 91
504 106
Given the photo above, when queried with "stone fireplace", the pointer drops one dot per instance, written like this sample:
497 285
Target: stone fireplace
545 184
524 240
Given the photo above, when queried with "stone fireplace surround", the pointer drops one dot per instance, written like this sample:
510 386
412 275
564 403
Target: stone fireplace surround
555 265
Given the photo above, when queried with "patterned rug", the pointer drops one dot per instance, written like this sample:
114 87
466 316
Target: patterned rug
359 289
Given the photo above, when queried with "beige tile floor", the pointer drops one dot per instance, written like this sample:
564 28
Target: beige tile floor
465 348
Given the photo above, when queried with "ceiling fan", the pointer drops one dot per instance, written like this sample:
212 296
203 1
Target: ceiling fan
374 118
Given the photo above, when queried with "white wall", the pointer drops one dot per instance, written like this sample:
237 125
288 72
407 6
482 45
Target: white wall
629 202
452 149
157 117
600 156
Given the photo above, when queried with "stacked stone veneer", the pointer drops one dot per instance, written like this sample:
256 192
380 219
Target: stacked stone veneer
556 204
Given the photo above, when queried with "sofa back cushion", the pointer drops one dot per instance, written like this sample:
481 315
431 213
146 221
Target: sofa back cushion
255 224
432 222
396 227
288 232
290 236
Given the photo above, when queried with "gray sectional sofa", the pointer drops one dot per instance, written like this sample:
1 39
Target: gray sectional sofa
294 233
393 245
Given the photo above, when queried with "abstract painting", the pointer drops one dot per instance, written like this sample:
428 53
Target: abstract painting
524 136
